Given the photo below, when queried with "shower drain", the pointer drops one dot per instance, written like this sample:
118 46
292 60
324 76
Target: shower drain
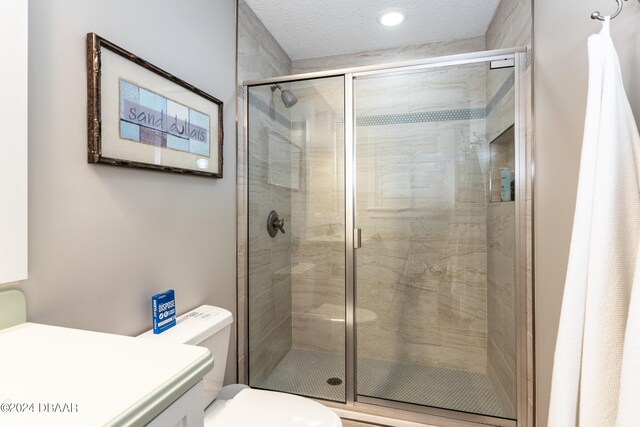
334 381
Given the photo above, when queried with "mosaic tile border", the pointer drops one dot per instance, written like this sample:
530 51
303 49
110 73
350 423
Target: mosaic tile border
422 117
395 119
265 108
502 92
301 125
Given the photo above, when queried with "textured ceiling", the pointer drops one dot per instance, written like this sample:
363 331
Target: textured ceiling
315 28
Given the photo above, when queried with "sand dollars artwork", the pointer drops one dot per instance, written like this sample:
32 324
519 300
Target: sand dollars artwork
150 118
142 116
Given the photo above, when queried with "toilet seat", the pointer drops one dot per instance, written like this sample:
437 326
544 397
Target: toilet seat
270 409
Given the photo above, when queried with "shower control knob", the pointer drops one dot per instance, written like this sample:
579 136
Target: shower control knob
275 224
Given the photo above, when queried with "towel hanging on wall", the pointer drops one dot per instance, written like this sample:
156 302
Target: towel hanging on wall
596 373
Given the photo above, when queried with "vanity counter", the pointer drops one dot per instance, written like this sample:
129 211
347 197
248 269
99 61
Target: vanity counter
52 376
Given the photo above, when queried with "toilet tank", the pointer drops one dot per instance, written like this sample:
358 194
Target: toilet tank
206 326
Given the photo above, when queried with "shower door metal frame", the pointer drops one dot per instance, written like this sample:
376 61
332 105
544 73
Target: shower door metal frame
379 406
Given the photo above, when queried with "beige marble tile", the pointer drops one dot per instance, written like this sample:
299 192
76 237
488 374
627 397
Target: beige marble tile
511 25
267 351
383 56
448 88
501 117
269 310
422 270
259 56
242 379
503 382
501 313
529 244
453 47
394 90
318 332
318 219
310 293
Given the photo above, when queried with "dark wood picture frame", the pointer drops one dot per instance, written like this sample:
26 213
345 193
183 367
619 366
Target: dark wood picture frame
95 44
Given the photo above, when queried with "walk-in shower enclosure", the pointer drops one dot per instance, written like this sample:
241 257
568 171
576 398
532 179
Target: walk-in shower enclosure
393 280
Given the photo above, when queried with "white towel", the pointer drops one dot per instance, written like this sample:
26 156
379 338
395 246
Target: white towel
629 401
586 387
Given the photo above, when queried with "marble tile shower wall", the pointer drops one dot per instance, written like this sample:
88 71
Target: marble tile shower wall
260 56
318 213
269 258
511 26
501 263
318 299
501 301
423 261
384 56
422 266
422 209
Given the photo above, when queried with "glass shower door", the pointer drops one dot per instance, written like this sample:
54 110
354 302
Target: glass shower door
296 278
435 291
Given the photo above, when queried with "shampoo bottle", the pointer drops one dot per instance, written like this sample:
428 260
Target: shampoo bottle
513 185
505 184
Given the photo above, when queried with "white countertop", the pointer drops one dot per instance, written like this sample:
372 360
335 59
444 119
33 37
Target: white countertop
112 380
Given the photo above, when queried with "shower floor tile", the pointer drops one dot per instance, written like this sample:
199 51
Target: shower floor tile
306 373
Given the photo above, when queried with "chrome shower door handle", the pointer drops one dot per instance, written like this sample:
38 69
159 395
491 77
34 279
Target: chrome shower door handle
274 224
357 238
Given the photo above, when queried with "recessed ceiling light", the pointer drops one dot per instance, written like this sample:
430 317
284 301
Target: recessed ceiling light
391 17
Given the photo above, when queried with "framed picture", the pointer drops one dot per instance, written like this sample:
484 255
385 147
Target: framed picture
141 116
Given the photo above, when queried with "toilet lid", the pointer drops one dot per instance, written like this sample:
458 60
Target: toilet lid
271 409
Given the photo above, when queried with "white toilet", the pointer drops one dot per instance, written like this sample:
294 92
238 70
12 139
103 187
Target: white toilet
238 405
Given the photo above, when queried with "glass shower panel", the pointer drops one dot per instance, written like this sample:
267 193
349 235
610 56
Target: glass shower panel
435 318
296 286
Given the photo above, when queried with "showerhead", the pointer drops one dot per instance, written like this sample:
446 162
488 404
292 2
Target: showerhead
288 98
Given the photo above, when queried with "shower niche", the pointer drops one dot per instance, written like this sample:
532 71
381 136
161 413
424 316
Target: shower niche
395 282
502 165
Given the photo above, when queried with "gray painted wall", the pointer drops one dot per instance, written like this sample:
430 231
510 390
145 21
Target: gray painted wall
560 91
102 239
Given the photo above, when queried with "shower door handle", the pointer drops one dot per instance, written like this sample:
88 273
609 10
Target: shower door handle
357 238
